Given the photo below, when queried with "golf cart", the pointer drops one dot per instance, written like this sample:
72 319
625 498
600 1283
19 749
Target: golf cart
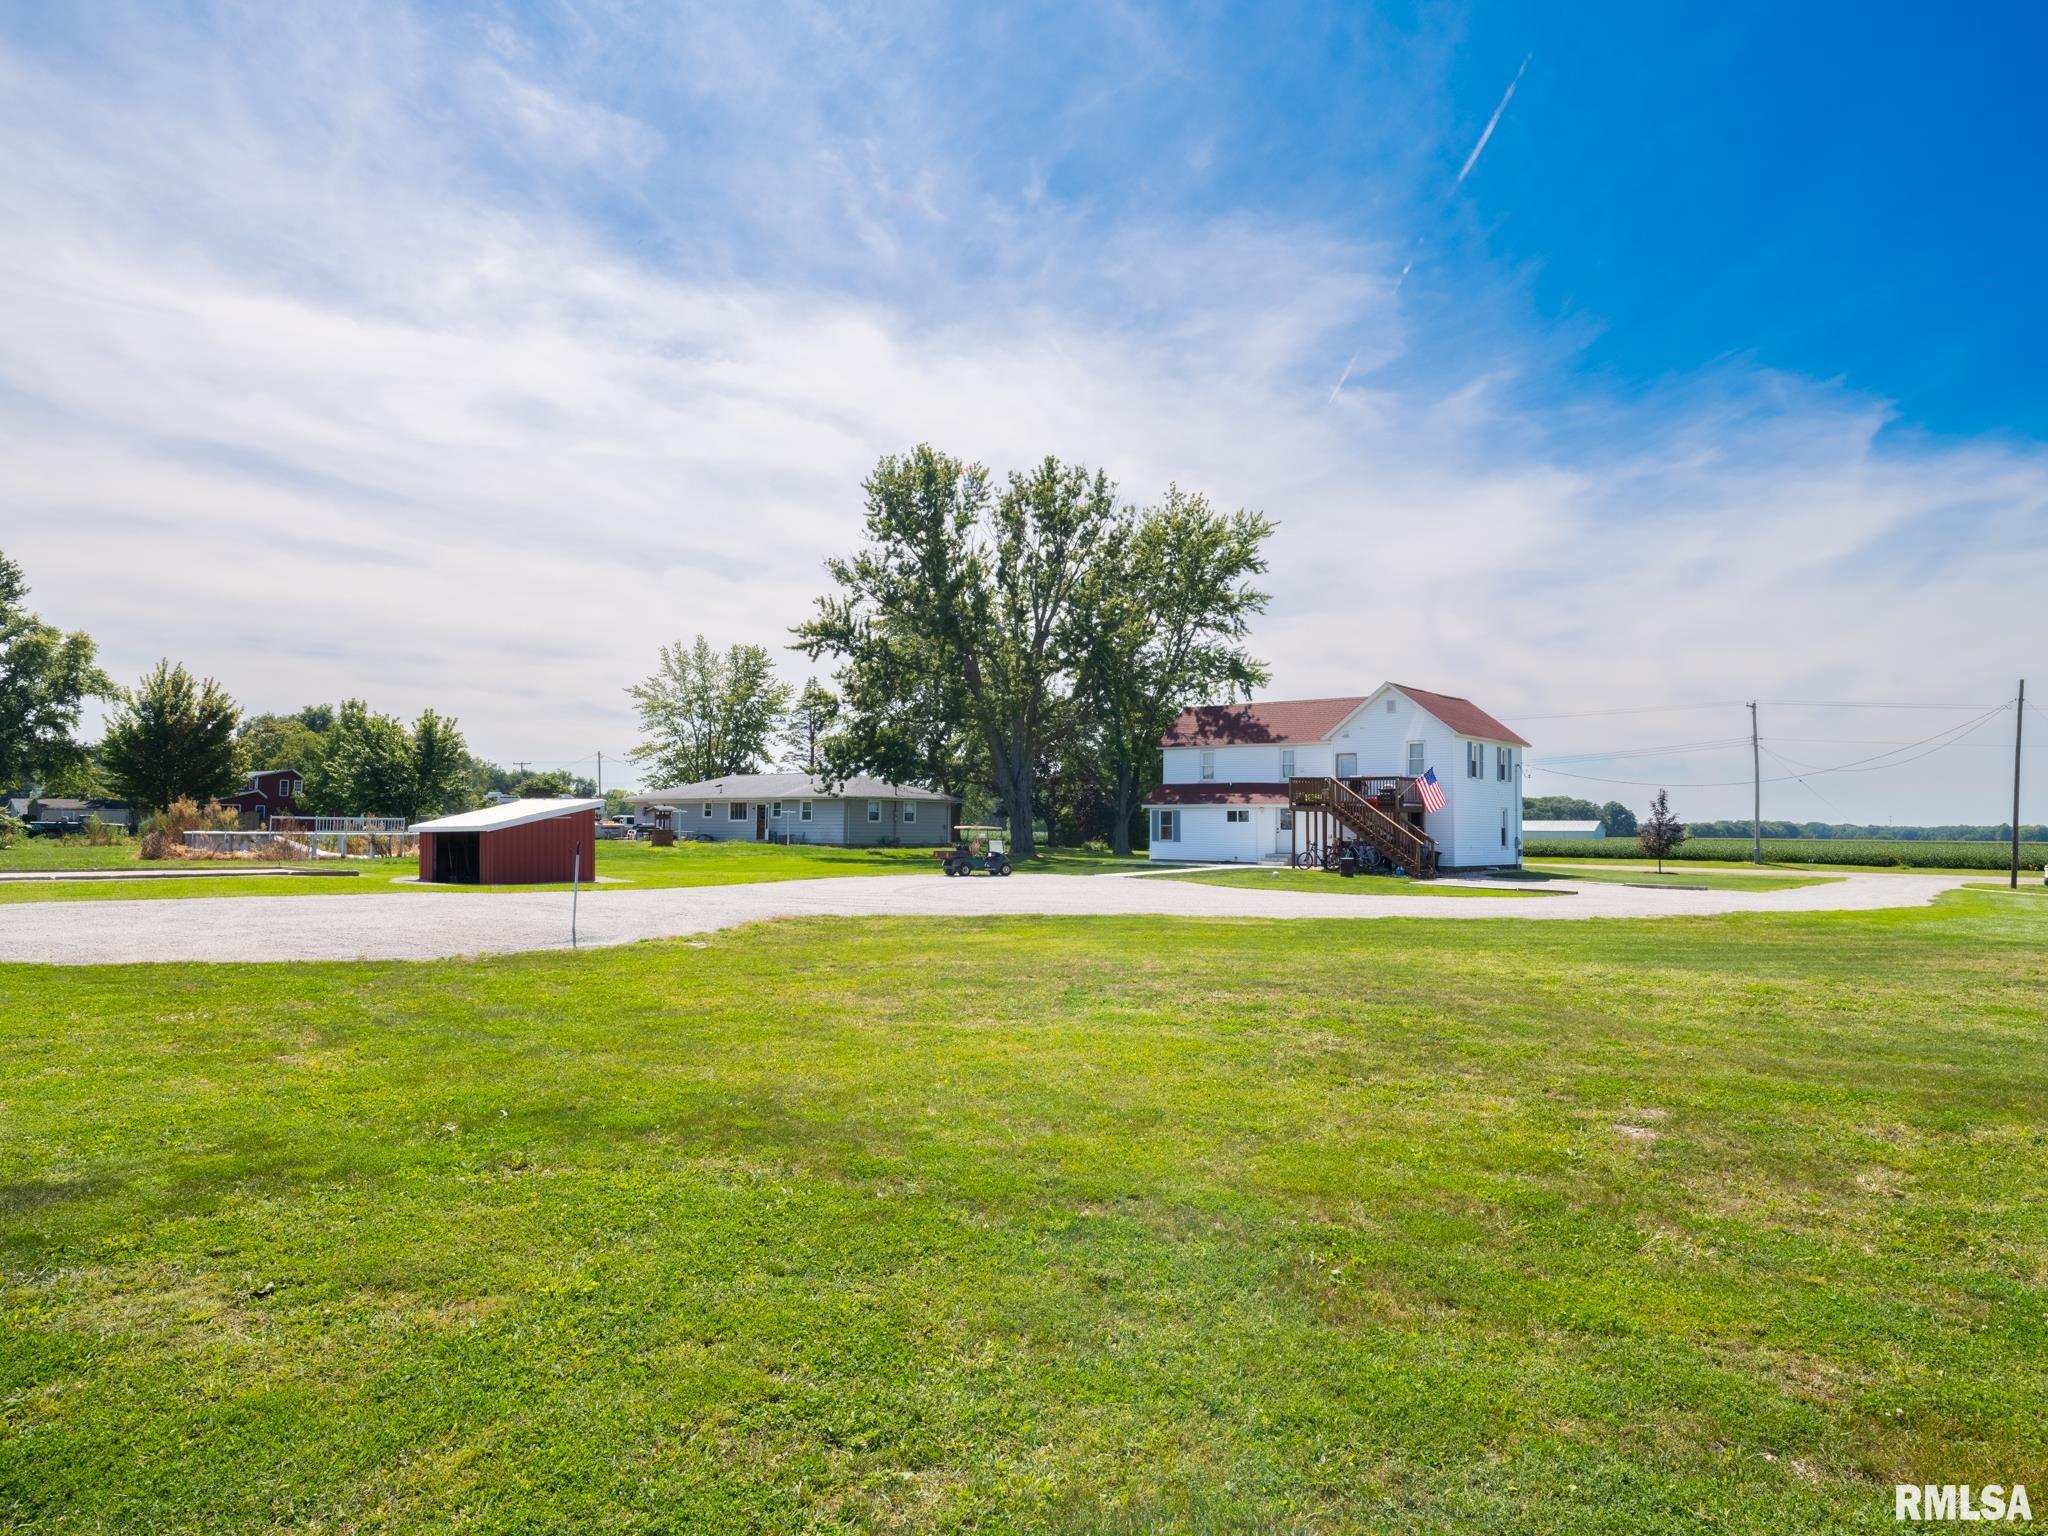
980 850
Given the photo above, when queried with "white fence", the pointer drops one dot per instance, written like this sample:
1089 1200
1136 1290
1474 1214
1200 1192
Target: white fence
314 837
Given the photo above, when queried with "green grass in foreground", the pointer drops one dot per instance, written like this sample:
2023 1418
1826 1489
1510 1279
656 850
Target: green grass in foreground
1107 1225
1698 879
1325 883
620 866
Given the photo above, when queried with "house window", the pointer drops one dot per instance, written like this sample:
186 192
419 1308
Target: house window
909 813
707 810
1472 759
737 811
1287 762
1415 760
874 810
1390 704
1237 815
805 814
1347 765
776 810
1503 826
1208 765
1166 827
1500 764
1287 819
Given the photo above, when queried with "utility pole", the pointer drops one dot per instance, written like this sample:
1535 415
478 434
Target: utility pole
2019 726
1756 804
600 775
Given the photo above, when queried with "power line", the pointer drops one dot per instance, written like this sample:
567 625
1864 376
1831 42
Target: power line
1933 744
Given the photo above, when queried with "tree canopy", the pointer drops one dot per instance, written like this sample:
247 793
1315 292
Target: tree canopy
705 713
46 675
173 738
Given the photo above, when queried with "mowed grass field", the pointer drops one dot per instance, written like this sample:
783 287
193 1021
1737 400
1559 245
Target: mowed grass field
1835 853
619 866
1037 1225
1690 878
1321 880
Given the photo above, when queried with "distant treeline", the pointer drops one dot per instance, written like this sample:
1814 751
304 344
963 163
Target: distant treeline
1836 830
1621 822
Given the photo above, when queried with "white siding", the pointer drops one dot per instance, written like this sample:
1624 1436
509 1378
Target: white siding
1467 830
1247 765
1208 836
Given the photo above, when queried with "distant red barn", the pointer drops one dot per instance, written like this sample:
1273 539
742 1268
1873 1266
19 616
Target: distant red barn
521 842
266 793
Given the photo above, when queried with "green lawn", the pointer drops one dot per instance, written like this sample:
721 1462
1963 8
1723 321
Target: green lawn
1698 879
1322 881
620 866
1094 1226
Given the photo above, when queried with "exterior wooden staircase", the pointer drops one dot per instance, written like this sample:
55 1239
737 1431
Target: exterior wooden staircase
1339 805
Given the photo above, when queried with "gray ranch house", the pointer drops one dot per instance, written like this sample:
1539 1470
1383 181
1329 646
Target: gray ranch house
801 808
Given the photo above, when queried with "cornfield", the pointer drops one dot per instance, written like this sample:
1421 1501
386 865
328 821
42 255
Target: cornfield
1874 852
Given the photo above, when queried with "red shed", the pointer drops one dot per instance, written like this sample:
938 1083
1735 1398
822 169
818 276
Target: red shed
522 842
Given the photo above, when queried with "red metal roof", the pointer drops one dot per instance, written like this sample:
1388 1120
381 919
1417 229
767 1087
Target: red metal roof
1461 715
1232 725
1218 794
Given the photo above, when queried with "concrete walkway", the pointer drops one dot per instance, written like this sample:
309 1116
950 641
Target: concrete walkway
424 925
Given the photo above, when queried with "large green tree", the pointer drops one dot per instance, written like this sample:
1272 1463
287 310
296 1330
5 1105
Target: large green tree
173 738
366 769
440 767
1169 605
280 741
706 713
956 581
46 675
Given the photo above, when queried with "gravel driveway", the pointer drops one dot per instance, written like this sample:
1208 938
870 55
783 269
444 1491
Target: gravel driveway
426 925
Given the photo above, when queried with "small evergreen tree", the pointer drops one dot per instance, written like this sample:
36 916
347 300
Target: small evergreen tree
1662 832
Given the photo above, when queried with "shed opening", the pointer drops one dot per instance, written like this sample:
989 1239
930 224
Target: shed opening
456 860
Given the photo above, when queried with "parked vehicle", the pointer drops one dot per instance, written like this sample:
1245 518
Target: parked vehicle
979 851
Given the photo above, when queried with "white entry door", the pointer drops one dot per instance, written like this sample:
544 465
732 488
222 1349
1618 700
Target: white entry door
1347 765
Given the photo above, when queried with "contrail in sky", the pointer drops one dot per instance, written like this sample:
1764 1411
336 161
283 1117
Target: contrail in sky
1465 170
1340 380
1492 123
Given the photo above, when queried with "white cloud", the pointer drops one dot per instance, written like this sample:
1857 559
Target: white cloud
320 420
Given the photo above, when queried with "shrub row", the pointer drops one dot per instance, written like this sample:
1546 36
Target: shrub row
1876 852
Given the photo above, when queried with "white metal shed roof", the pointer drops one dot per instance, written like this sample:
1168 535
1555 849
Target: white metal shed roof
513 813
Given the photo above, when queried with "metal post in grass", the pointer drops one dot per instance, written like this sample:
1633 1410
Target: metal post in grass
575 886
1756 804
2019 726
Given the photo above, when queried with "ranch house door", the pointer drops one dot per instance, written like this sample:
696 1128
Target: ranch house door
761 822
1347 765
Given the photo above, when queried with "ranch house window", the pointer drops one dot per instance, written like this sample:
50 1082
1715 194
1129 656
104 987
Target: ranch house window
1237 815
1414 759
737 811
874 810
909 814
1287 762
707 810
1165 827
805 814
1208 765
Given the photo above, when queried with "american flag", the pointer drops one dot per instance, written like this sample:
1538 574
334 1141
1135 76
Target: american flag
1433 797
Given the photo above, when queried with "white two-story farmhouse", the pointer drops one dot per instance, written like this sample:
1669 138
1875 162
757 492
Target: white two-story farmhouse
1292 780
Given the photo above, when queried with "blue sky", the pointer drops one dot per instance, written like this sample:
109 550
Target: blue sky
502 343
